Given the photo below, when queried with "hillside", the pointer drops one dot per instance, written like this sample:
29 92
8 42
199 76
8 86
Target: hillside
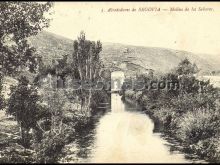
158 59
52 46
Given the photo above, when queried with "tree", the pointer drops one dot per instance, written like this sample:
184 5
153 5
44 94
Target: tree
23 105
18 21
86 61
86 57
185 67
49 149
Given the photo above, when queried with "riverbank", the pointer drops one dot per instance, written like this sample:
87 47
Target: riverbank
72 127
80 144
176 127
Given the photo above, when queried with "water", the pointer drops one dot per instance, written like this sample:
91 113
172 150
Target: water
124 135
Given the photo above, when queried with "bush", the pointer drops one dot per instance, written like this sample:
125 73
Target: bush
99 96
208 148
168 117
198 125
130 94
16 153
50 148
190 113
138 95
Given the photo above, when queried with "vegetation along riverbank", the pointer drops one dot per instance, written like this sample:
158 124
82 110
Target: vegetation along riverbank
39 115
190 114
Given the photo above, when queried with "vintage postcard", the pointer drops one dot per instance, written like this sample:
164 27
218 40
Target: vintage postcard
109 82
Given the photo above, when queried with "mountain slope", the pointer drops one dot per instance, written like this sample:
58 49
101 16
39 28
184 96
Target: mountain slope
52 46
159 59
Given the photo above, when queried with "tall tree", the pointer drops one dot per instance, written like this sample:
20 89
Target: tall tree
18 21
86 61
86 57
23 104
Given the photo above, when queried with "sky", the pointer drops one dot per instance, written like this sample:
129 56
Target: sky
194 31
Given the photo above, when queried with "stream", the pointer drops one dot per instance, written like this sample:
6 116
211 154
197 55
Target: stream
125 135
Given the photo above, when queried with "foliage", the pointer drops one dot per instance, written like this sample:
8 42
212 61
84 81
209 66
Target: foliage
208 148
16 153
58 128
86 57
190 113
45 127
49 150
23 105
20 20
185 67
99 97
198 125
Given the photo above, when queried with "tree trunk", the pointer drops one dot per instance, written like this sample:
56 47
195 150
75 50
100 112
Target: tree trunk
86 69
24 133
89 99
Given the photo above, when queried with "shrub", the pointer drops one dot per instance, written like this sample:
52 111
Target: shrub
50 148
191 112
198 125
130 94
208 148
15 153
167 116
138 95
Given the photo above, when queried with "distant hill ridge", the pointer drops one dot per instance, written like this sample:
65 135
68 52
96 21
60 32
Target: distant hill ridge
51 46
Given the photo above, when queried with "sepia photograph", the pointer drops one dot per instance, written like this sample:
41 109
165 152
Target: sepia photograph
109 82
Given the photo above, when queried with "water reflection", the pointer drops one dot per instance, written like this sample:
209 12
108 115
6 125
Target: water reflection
116 104
124 135
127 137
